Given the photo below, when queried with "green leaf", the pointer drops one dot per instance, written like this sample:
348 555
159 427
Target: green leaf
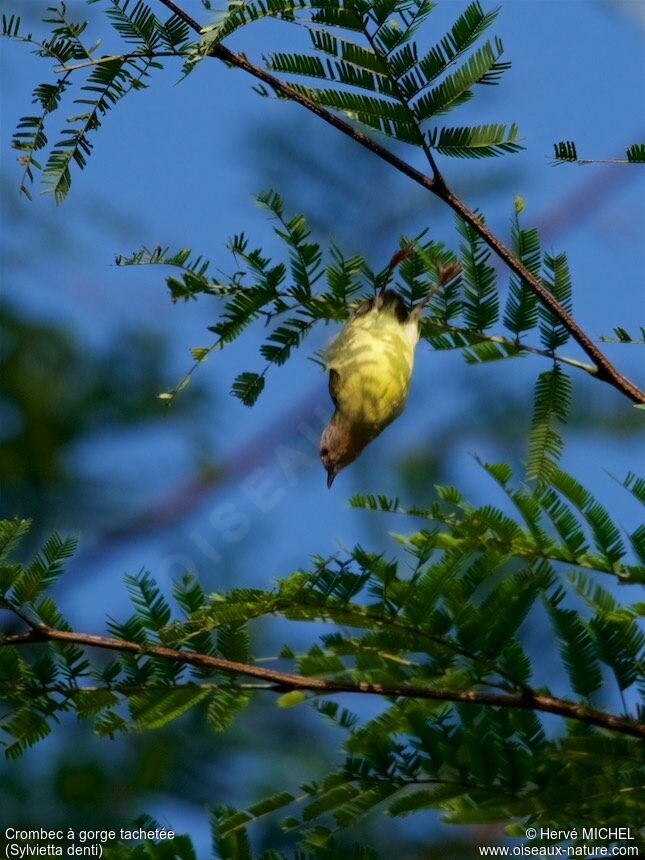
284 339
349 53
565 150
387 117
27 727
558 281
605 532
270 804
30 136
338 71
245 305
521 312
481 302
336 14
152 709
636 486
233 642
462 35
238 15
551 404
565 521
373 503
199 353
107 84
224 705
11 534
247 387
231 845
481 141
621 335
577 649
174 33
136 25
489 351
636 153
151 607
291 699
11 26
44 570
482 67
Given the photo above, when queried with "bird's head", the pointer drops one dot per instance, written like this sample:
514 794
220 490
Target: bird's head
340 445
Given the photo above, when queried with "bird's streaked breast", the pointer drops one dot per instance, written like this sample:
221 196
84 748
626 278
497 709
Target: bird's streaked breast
373 355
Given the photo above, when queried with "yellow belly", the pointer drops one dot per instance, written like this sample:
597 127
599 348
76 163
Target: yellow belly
373 355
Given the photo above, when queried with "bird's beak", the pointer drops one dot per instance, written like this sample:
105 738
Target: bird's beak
331 474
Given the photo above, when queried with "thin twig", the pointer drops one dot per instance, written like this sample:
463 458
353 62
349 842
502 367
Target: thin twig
109 58
285 681
224 290
517 346
593 161
545 353
124 688
605 370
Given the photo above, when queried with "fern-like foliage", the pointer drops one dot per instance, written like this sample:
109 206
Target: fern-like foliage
481 303
636 153
449 616
312 285
408 87
521 313
566 151
480 141
550 408
558 281
621 335
364 59
107 80
445 615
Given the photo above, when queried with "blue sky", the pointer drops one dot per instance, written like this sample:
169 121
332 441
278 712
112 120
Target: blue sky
178 164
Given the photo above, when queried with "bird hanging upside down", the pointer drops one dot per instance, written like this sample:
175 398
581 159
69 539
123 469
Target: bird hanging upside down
370 365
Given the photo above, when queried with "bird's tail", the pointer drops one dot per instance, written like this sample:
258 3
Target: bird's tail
445 274
383 278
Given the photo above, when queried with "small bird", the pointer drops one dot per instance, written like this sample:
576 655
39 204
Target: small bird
370 364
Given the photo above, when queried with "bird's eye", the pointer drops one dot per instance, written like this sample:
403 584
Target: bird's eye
324 452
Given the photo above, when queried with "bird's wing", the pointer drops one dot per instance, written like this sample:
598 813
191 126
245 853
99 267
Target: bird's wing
334 385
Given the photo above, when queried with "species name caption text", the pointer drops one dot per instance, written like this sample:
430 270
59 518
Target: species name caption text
73 843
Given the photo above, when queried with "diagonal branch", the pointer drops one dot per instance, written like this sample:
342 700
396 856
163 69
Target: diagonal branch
281 681
605 369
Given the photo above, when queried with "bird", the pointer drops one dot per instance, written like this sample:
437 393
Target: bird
370 365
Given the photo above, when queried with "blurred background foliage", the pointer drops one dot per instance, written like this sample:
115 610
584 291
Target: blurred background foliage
55 394
84 350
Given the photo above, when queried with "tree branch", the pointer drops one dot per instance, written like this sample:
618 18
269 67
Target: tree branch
605 369
285 681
